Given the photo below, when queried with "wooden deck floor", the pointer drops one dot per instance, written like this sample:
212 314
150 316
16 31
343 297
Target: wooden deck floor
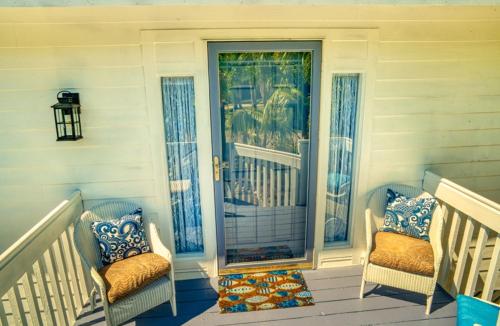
335 292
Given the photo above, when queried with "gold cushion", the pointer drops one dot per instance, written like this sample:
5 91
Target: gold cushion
403 253
130 275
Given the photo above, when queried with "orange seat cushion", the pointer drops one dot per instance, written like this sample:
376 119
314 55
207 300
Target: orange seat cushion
130 275
402 253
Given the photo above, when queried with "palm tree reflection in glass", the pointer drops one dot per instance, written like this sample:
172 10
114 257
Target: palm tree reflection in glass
265 98
265 111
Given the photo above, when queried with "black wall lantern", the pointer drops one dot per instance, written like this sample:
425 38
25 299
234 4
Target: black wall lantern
67 116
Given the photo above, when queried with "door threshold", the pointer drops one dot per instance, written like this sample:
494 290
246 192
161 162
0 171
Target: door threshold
268 268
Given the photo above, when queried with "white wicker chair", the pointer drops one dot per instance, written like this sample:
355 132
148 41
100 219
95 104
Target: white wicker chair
156 293
381 275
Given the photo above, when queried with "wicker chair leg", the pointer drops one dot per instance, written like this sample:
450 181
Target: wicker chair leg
429 304
362 290
173 305
92 299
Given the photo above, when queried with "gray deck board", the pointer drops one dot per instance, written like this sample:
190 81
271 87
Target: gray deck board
335 292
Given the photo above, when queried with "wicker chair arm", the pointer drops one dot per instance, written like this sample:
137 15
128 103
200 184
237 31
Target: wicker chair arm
156 244
371 229
98 282
436 237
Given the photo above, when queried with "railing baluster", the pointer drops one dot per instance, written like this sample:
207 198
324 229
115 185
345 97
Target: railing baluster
278 185
63 272
491 277
293 186
50 317
16 305
462 256
272 186
252 180
248 187
450 248
30 292
3 315
264 184
482 238
49 266
83 278
287 187
70 265
240 179
258 182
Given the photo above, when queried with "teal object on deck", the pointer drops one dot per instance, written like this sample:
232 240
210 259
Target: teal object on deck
472 311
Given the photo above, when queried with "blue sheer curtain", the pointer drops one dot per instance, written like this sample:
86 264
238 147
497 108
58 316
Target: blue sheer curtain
342 133
182 161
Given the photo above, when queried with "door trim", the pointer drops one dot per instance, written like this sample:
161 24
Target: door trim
214 48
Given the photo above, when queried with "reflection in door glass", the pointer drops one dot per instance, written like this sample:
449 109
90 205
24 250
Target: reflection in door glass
342 133
265 100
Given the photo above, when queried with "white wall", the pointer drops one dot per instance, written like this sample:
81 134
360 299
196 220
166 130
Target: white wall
436 100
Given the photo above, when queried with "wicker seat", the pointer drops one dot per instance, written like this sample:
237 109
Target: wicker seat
153 294
416 281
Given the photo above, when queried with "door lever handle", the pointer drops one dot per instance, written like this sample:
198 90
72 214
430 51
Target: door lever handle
216 163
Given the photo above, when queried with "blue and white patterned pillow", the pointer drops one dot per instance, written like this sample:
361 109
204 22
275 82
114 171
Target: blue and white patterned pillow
120 239
409 216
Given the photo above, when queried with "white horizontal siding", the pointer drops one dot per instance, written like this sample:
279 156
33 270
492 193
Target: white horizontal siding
436 103
113 161
70 57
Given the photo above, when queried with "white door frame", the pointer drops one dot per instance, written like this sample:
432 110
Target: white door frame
184 53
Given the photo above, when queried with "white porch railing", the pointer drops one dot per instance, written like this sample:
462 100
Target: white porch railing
42 280
471 239
269 178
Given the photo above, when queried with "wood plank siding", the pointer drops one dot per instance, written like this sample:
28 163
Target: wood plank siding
434 102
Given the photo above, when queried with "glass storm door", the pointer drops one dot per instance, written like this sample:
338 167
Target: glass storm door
264 103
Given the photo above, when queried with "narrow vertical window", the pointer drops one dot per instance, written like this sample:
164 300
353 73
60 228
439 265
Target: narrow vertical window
340 162
182 162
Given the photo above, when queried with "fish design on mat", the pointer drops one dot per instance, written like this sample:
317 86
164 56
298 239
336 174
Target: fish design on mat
231 298
289 286
304 294
227 283
257 299
273 279
266 306
265 290
241 289
281 294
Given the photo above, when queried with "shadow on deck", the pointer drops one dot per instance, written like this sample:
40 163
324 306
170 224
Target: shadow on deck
335 292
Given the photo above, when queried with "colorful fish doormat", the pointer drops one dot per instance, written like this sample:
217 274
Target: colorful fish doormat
263 291
246 255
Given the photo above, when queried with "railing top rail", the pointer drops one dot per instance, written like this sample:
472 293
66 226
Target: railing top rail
8 255
272 155
481 209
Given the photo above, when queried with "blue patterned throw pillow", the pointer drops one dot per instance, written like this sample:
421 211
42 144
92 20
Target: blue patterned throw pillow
409 216
122 238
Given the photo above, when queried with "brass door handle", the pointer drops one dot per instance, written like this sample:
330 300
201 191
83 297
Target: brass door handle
216 168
